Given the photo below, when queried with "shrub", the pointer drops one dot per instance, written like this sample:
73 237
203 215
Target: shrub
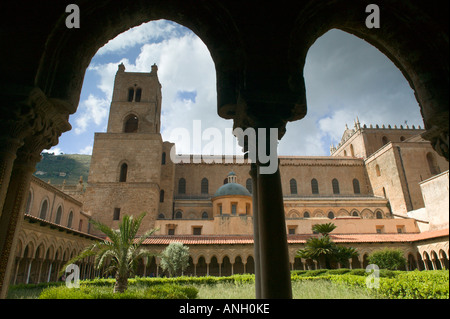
163 291
391 259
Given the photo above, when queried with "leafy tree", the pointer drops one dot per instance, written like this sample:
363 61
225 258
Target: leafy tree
121 250
174 258
391 259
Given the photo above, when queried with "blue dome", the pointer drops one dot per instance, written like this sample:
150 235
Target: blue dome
232 189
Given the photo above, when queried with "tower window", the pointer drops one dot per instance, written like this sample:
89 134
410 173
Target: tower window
123 173
248 185
161 196
131 124
163 158
137 98
130 95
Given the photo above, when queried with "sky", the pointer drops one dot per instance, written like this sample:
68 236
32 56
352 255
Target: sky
345 78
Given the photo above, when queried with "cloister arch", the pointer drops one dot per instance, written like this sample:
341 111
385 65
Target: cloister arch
52 61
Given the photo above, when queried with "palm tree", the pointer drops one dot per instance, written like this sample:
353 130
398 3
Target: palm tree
319 249
324 250
121 248
324 229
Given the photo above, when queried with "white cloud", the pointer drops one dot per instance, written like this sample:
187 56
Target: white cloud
139 35
93 111
86 150
55 149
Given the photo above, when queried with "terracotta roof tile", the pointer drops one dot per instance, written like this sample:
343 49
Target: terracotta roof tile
292 239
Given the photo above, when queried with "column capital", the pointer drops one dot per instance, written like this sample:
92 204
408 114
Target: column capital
439 139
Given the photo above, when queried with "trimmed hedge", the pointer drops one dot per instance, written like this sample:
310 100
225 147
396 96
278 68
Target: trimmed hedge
86 291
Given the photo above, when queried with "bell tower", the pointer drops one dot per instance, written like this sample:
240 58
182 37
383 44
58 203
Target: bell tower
136 102
125 169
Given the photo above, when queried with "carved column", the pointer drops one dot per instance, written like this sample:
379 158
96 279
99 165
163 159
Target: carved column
49 122
17 122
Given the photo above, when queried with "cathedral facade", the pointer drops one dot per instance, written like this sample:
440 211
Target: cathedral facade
381 186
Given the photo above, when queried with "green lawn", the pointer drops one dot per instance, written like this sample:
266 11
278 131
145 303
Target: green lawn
317 289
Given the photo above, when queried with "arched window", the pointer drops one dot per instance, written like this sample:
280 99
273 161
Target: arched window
58 215
204 186
179 215
379 215
137 98
44 208
432 164
181 186
163 158
293 186
161 216
314 186
249 185
306 215
123 173
131 124
70 220
205 215
402 138
161 196
330 215
29 202
335 184
225 181
385 140
352 151
377 170
355 213
130 94
356 188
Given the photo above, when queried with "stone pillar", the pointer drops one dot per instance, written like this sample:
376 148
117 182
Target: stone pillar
256 247
49 122
275 274
17 122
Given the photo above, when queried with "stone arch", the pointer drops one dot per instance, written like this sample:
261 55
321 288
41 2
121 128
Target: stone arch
342 212
392 43
44 208
366 213
354 212
293 213
131 124
318 213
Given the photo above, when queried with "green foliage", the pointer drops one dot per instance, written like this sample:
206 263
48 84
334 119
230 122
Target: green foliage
324 229
175 258
165 291
324 250
122 250
74 165
391 259
405 285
